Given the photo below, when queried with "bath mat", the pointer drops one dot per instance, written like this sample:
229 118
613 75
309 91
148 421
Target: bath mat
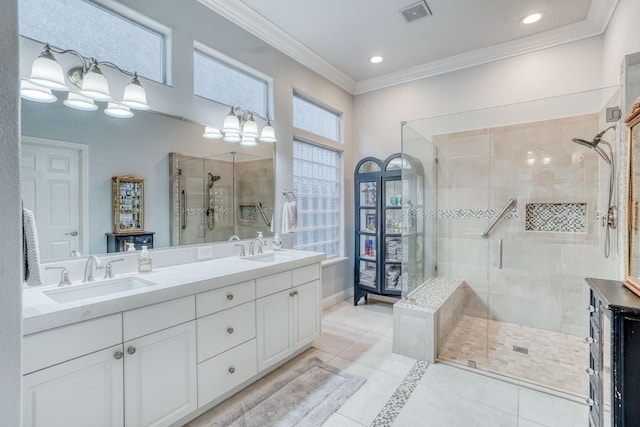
306 396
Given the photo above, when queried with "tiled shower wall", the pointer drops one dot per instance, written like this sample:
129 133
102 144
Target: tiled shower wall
541 280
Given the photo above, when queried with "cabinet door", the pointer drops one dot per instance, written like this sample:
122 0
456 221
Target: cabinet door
160 382
86 391
274 321
306 314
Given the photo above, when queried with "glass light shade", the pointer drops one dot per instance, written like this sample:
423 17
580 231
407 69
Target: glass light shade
250 128
232 137
95 85
79 102
248 141
118 110
36 93
212 133
47 72
231 123
268 134
135 96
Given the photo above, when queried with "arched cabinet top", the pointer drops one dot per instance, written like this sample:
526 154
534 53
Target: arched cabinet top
368 165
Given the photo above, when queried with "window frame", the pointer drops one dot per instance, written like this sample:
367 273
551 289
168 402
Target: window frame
143 21
339 118
242 68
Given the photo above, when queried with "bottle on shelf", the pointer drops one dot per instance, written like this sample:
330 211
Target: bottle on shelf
144 261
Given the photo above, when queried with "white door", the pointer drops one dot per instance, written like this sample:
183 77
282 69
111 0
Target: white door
51 183
306 314
82 392
273 333
160 376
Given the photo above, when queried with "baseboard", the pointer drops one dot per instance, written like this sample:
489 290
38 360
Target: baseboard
337 298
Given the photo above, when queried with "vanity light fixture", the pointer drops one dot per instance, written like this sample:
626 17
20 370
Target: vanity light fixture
531 18
240 127
36 93
46 72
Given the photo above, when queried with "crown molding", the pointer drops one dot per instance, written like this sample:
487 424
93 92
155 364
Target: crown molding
242 15
251 21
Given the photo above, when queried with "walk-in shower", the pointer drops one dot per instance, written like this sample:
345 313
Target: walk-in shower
518 307
210 198
610 220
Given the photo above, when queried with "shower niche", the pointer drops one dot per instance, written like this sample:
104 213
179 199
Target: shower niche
216 197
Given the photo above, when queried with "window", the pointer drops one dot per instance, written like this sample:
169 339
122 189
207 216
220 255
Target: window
315 119
316 183
226 84
94 32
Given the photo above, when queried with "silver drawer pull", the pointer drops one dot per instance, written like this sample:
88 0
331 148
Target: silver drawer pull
232 370
590 402
131 350
229 331
591 372
591 309
118 355
229 297
590 340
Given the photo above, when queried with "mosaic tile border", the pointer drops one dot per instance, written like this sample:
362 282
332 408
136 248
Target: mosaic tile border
399 398
431 294
476 213
556 217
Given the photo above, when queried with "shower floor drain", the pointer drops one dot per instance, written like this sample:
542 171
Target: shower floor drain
518 349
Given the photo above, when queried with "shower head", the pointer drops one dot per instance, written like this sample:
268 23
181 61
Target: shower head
212 179
594 143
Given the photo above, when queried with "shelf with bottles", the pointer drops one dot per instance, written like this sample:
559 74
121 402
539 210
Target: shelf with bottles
368 194
393 221
368 246
393 193
368 220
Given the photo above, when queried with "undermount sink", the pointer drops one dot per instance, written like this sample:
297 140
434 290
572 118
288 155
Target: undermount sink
97 289
268 257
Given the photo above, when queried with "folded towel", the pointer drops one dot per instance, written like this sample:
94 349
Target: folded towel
289 217
31 249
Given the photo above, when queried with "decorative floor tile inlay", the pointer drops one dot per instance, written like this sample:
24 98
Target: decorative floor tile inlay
394 405
559 217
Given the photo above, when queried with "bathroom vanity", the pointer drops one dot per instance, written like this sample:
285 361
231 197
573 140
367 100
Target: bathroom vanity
161 348
614 344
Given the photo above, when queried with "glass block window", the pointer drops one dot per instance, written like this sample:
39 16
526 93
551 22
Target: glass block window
315 119
94 31
223 83
316 184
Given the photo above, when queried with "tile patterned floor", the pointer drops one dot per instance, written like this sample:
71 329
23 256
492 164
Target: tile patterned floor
554 359
358 340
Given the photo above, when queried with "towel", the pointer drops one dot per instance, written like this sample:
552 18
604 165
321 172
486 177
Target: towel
31 250
289 217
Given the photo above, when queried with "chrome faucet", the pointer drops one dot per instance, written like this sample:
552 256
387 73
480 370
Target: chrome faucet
88 268
252 246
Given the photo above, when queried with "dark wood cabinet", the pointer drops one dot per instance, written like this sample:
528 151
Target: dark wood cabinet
116 242
614 365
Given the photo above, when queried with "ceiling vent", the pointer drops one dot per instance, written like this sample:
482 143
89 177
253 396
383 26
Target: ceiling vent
416 11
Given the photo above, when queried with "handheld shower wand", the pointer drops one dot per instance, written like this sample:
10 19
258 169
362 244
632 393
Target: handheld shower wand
611 219
210 211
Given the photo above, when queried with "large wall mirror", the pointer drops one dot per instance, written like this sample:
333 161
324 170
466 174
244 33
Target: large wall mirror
631 83
69 158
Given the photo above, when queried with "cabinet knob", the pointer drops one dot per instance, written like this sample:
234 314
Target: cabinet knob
591 309
229 297
590 402
232 370
229 331
591 372
590 340
295 292
118 355
291 294
131 350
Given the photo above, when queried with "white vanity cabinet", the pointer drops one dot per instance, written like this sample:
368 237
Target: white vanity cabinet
287 314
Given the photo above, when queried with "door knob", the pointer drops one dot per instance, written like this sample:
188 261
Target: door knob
73 233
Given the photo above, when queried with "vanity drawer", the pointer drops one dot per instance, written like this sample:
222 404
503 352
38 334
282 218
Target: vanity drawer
68 342
220 374
224 298
226 329
271 284
305 274
152 318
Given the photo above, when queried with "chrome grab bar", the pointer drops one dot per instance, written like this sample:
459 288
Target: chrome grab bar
184 206
264 217
491 226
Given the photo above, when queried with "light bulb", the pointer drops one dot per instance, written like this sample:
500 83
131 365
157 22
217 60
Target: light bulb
79 102
250 128
118 110
232 137
36 93
212 133
268 133
134 95
47 72
231 123
95 85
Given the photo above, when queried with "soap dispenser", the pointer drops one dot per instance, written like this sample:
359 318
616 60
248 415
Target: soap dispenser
131 247
277 242
144 261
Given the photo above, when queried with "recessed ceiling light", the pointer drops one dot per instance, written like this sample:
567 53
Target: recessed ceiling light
376 59
530 19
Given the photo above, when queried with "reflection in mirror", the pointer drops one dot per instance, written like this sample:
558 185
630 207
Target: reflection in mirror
220 196
633 123
137 146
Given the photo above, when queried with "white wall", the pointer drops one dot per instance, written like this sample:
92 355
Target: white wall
622 38
10 257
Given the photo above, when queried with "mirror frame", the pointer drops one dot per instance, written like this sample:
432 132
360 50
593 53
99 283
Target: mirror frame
633 238
117 183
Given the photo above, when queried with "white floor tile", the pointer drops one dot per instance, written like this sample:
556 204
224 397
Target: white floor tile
337 420
550 410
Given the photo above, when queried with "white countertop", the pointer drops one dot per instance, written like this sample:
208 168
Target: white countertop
41 312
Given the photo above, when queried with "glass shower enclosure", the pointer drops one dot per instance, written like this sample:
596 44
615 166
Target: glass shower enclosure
524 313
